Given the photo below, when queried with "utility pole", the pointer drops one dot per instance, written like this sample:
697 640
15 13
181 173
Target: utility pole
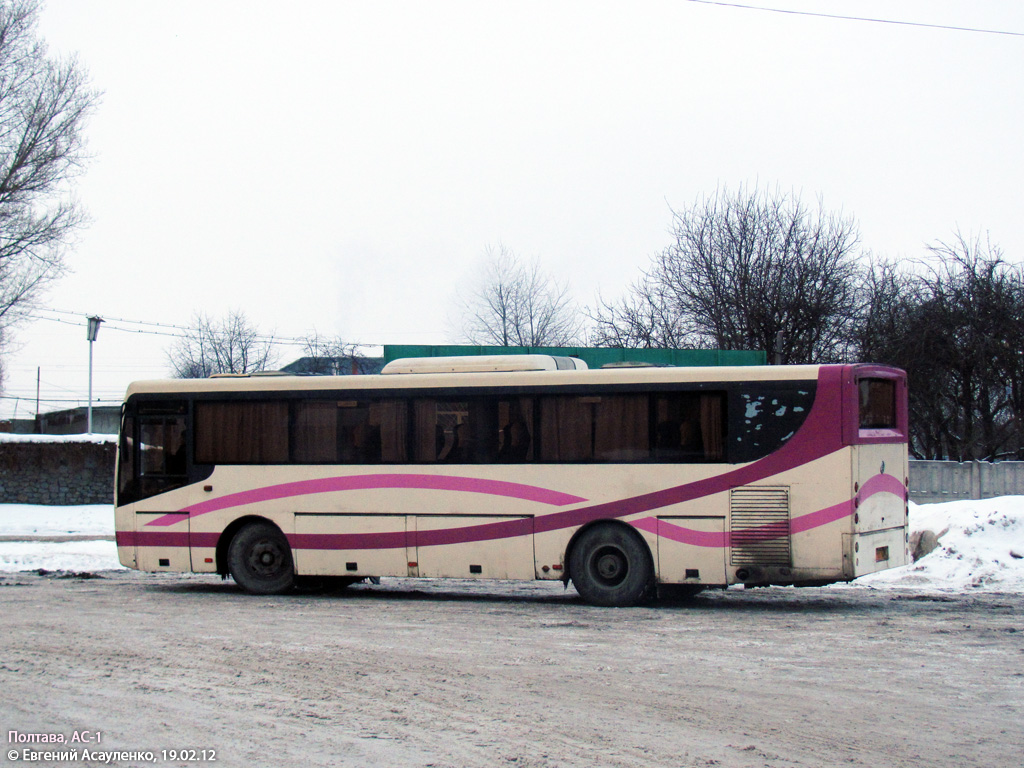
91 333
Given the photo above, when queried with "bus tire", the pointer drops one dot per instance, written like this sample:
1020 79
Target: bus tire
260 560
611 566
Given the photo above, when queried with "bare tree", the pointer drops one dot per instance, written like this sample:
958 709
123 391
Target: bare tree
888 293
230 345
745 270
44 103
955 325
517 304
332 356
642 320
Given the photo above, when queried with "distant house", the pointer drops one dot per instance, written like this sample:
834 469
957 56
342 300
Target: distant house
75 421
18 426
335 366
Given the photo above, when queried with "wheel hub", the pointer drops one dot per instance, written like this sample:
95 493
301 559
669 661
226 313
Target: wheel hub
266 559
610 566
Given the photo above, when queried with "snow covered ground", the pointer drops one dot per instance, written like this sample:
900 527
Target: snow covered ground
980 547
980 544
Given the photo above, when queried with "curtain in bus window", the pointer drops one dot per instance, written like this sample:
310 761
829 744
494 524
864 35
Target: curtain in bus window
712 427
443 431
359 440
515 430
689 426
242 433
387 425
566 428
315 432
621 428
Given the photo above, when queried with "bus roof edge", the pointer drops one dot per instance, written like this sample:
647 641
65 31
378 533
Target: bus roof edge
483 364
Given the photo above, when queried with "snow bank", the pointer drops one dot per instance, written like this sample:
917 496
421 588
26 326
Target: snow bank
76 556
33 521
37 520
9 437
980 547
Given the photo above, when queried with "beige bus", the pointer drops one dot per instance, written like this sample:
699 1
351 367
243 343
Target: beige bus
521 467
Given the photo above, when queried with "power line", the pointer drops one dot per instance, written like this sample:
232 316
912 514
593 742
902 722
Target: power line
108 325
287 341
117 319
46 401
858 18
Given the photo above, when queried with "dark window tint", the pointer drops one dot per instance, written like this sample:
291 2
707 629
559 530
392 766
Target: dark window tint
669 427
477 430
449 431
689 426
152 451
877 403
126 458
514 430
764 415
241 432
390 419
348 432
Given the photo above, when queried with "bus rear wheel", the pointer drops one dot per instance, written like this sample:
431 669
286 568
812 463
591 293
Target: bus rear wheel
260 560
611 566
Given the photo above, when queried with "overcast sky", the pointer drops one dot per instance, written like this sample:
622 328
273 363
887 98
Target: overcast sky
341 167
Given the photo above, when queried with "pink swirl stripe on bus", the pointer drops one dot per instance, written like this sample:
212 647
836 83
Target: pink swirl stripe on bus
883 484
878 484
371 482
682 534
714 539
504 529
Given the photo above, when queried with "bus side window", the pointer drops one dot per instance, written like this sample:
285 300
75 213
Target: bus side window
515 430
158 459
163 446
388 423
689 426
764 415
443 433
241 432
126 462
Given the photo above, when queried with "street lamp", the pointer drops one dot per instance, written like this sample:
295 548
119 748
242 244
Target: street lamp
91 333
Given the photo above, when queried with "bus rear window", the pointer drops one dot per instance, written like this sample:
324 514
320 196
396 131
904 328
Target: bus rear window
877 398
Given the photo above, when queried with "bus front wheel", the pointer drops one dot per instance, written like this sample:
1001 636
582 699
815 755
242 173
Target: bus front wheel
611 566
260 560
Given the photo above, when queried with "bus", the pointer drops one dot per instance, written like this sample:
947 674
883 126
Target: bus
621 480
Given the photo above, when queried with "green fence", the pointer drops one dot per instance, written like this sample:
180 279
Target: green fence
594 357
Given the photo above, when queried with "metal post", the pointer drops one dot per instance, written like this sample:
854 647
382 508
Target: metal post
91 333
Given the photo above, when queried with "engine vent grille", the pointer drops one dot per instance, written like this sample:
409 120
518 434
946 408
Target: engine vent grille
760 526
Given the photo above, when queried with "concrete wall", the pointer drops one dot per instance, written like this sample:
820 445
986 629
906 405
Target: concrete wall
57 472
933 481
